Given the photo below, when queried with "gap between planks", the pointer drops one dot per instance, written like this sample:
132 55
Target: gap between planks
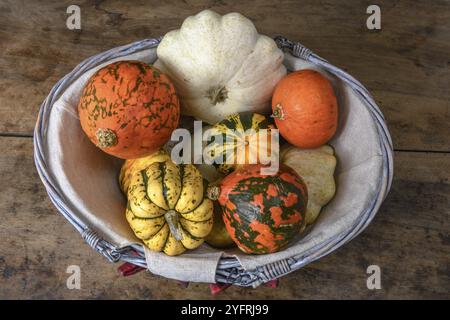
16 135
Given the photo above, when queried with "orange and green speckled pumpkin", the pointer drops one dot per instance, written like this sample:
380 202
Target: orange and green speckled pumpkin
262 213
129 109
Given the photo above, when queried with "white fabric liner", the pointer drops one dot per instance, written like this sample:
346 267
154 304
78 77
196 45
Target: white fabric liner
88 177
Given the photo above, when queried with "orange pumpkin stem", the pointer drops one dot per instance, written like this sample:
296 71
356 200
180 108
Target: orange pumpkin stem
278 112
106 138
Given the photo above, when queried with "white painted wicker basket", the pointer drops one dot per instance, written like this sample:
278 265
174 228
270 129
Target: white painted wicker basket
229 269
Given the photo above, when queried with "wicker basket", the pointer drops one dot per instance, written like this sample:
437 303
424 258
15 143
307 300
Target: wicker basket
229 270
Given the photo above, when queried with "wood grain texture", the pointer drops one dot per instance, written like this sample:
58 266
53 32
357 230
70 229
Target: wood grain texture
409 239
405 65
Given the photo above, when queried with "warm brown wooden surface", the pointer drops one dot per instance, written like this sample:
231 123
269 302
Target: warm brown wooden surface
406 66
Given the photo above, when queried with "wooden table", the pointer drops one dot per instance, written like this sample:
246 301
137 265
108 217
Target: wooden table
406 66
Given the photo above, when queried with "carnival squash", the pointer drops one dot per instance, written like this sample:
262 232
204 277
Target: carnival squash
220 65
167 207
305 109
129 109
131 166
240 139
262 213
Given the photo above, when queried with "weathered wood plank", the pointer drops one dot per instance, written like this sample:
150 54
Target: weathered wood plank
405 65
409 239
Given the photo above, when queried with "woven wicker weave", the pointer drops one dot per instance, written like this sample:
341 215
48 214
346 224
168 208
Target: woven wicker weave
229 269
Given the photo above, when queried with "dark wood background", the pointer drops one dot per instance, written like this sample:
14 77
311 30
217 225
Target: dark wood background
406 66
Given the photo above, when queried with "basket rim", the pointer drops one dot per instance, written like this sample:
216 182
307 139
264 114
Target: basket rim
229 269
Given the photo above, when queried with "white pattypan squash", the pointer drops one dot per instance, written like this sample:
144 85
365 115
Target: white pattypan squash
220 65
316 167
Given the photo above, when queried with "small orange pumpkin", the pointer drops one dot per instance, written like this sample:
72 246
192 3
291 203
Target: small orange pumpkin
305 109
129 109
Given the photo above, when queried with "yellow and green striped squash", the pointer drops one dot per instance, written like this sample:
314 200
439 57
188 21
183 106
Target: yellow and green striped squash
239 130
167 207
130 166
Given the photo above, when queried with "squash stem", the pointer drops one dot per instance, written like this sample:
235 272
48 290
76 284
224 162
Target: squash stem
217 94
171 217
106 138
213 192
278 112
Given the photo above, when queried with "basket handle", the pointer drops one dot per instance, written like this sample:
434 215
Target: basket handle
297 49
